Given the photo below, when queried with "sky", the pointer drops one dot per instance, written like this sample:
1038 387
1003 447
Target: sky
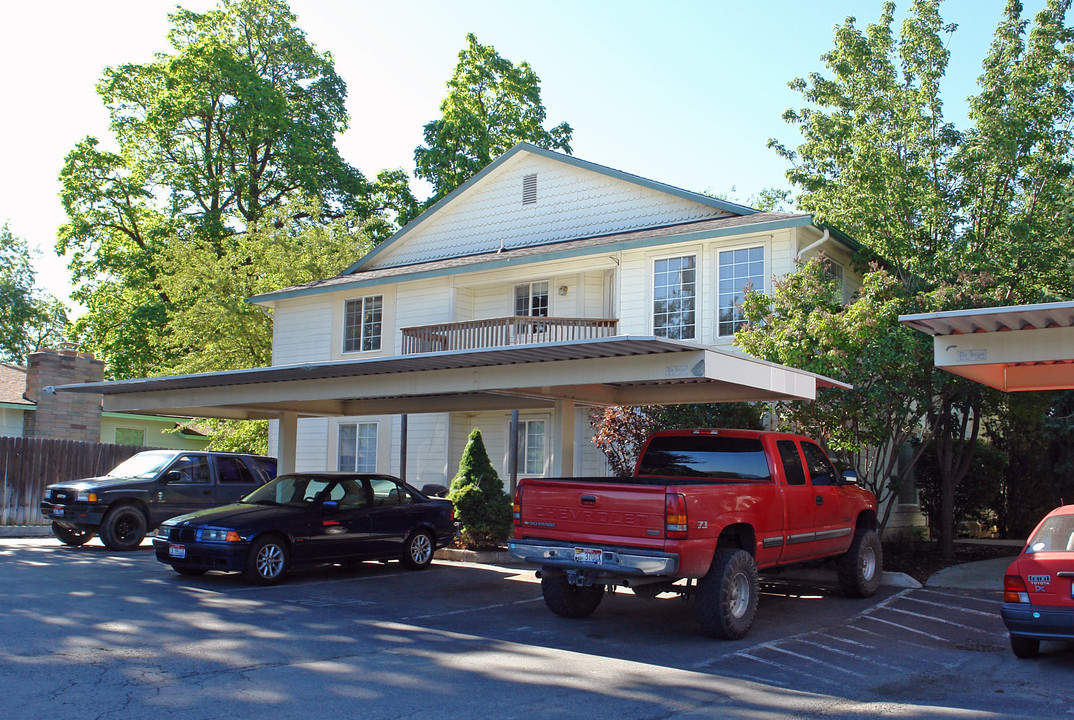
684 92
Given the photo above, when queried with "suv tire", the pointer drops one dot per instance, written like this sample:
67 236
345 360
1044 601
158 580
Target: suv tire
123 528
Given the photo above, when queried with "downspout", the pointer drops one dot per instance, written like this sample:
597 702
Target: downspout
823 239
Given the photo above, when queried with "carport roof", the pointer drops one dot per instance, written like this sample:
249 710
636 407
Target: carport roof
1024 347
621 370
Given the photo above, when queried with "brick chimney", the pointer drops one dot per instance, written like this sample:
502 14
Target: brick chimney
68 416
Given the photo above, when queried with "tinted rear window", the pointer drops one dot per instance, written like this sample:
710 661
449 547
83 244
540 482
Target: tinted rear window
706 456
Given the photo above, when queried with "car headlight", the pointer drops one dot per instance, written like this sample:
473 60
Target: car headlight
86 496
212 534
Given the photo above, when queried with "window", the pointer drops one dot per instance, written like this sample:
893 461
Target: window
821 471
531 299
358 447
706 456
674 297
388 493
531 442
362 324
792 462
192 469
233 471
738 270
835 272
130 436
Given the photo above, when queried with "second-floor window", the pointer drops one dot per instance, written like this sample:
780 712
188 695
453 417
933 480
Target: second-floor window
358 447
738 269
674 297
362 324
531 299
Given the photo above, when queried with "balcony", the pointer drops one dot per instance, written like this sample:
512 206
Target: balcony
499 332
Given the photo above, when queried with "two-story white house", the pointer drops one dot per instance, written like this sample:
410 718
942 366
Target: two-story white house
541 251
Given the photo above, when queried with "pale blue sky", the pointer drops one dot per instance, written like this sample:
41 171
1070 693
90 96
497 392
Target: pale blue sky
682 92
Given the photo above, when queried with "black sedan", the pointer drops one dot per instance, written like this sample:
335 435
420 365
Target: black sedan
309 519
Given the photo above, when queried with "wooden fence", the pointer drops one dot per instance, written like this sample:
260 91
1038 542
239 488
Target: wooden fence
27 465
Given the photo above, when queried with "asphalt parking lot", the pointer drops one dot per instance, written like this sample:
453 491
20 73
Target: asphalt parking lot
91 633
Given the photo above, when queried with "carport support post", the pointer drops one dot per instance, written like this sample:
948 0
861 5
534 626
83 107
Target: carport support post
288 442
563 422
512 452
402 447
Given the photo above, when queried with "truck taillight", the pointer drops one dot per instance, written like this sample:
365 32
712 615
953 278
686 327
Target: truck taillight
1014 589
675 524
516 506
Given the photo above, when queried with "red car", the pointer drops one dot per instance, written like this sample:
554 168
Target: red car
1038 595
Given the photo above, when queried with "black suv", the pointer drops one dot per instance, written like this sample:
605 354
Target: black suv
147 489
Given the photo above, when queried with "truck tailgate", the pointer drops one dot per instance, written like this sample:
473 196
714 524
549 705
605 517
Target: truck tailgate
593 510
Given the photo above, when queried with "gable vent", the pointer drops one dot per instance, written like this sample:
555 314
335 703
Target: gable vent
529 189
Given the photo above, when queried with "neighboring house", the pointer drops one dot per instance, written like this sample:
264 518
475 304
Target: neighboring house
539 247
27 411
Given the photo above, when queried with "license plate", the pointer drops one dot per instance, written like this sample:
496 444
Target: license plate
177 551
590 556
57 512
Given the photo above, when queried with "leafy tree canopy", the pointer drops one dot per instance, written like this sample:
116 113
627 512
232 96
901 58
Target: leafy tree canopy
29 319
492 104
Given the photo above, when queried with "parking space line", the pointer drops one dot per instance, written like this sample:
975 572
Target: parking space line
903 627
784 668
970 611
469 610
810 658
940 620
844 653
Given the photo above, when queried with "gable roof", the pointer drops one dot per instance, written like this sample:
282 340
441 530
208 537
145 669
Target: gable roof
451 199
757 222
13 384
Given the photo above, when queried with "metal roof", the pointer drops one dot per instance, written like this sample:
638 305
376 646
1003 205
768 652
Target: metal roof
1016 348
610 371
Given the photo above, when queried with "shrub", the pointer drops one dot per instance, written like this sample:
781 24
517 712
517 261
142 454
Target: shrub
481 505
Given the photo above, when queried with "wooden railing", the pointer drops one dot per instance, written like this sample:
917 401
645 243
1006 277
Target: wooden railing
499 332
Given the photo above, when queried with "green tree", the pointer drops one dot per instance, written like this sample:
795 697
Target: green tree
962 217
481 505
492 104
29 319
239 118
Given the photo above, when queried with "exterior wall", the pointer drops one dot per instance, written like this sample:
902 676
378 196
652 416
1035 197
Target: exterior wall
302 330
67 416
428 460
155 432
571 202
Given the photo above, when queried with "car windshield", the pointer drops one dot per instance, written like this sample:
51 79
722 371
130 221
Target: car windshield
1056 534
290 491
142 465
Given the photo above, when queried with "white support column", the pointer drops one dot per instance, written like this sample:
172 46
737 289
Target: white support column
288 446
563 424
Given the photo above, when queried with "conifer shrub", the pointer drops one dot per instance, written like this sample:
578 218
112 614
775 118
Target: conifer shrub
481 505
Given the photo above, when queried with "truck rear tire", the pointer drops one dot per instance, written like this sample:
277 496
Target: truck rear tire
860 569
569 601
727 595
123 528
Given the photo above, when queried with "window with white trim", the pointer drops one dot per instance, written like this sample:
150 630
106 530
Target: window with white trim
362 324
357 449
675 297
737 269
531 299
531 446
834 271
130 436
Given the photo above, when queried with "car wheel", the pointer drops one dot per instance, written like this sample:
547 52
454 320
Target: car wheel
727 595
71 536
569 601
123 528
418 550
267 562
1024 647
861 567
189 571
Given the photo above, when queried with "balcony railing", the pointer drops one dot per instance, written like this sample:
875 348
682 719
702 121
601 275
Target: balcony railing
498 332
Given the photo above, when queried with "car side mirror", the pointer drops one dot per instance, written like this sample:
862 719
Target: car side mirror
170 477
330 504
850 477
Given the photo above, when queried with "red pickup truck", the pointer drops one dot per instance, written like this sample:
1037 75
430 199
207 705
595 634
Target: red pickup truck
711 507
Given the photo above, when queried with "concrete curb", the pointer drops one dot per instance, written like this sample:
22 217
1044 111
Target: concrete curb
25 531
486 557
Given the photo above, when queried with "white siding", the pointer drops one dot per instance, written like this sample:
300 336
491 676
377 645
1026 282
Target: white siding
302 330
426 450
312 446
571 203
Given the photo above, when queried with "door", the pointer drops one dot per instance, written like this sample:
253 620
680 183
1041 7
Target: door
833 529
394 514
184 487
234 479
334 531
799 508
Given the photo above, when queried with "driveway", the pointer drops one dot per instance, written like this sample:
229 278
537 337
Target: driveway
91 633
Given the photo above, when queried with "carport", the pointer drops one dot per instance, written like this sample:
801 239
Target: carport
1018 348
621 370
